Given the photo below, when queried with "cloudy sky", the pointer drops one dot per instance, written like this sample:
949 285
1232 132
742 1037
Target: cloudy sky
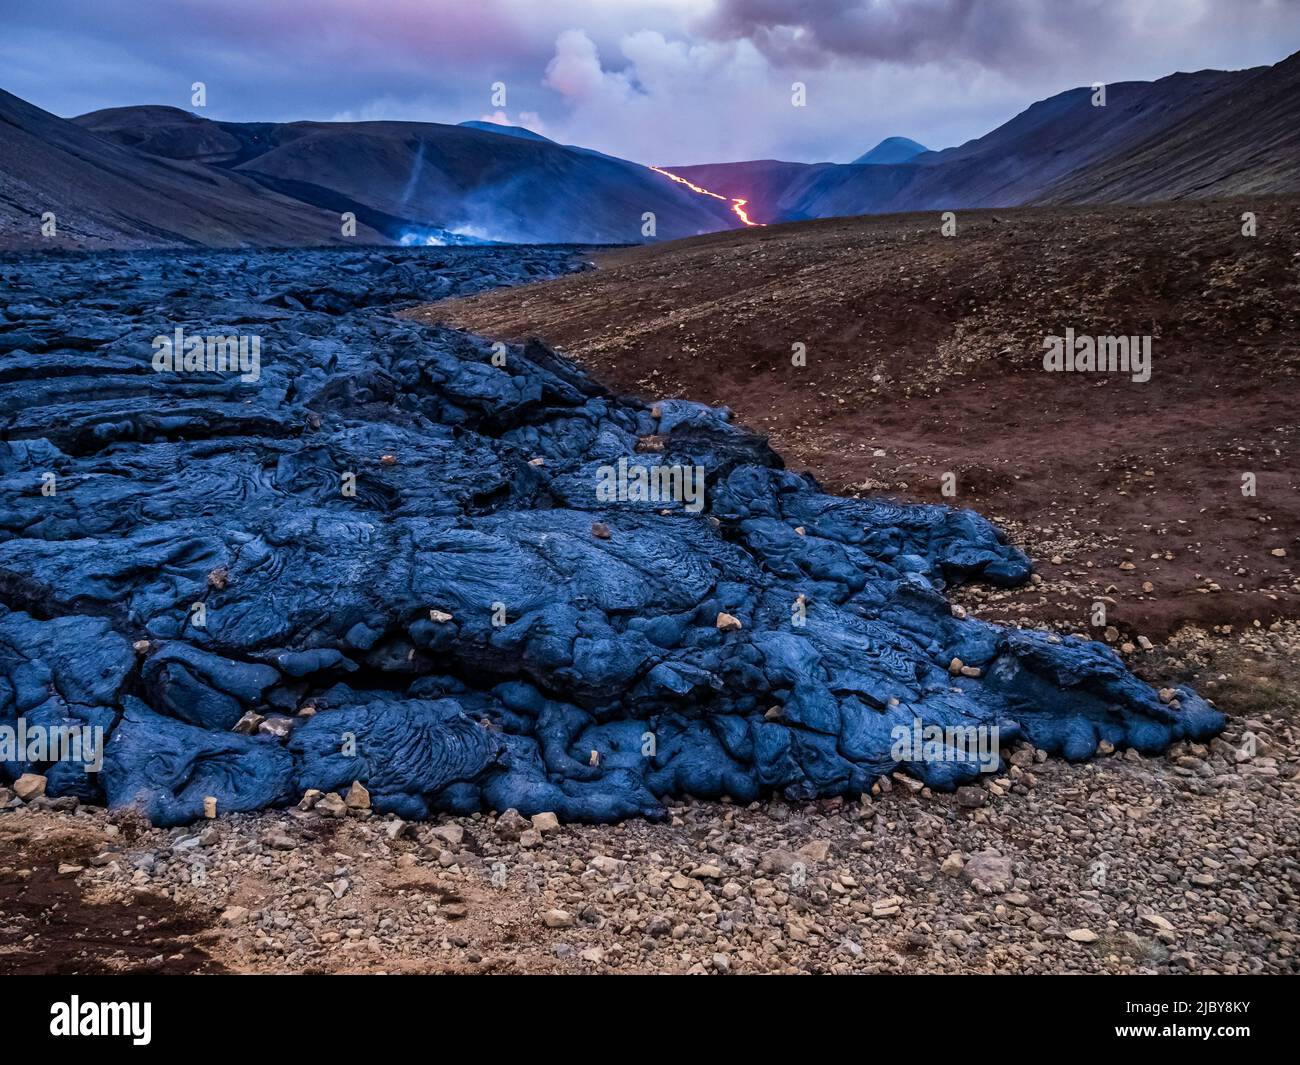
659 81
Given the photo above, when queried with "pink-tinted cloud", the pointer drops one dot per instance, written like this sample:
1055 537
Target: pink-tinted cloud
657 80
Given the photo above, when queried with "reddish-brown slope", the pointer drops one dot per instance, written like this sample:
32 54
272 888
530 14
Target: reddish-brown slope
925 357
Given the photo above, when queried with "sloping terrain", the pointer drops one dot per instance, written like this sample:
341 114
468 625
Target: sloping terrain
503 130
1018 161
774 189
1205 134
924 356
1246 141
491 184
150 174
167 131
107 194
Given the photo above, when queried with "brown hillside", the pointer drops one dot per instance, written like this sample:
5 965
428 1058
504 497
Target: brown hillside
925 357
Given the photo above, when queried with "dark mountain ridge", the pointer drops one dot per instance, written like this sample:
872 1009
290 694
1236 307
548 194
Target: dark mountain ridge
135 176
1212 133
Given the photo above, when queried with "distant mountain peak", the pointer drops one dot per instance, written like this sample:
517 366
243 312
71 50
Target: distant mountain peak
891 150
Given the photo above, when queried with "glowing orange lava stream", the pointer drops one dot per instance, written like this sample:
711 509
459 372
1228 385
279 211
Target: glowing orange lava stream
737 204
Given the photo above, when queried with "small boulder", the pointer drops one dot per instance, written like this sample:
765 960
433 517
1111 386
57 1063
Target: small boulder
546 822
817 850
277 725
29 786
331 804
606 865
511 824
1156 921
248 724
357 798
778 860
953 864
452 834
990 869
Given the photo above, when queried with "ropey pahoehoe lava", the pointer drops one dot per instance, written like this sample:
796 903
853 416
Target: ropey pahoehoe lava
383 558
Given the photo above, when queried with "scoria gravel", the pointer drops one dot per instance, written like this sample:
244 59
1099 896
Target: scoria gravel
383 556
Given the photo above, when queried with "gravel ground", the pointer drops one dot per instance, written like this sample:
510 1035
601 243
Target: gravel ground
1187 862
